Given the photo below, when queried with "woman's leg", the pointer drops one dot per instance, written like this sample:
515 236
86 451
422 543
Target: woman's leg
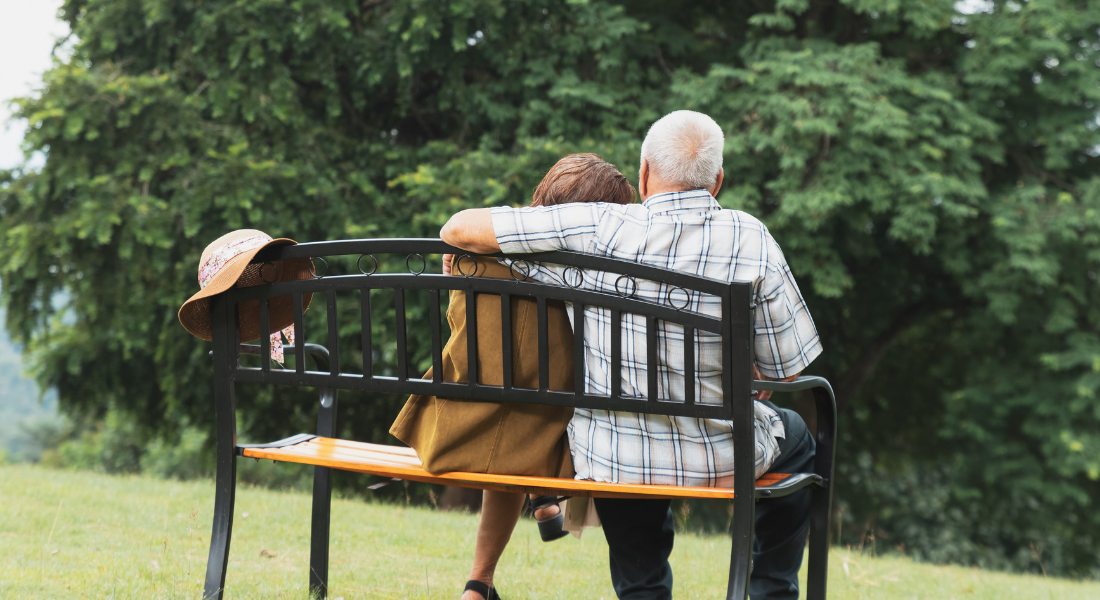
546 513
499 513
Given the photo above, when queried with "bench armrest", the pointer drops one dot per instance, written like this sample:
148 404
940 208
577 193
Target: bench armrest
824 400
825 407
318 352
326 420
802 383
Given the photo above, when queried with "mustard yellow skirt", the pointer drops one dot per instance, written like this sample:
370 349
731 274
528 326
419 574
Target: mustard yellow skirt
491 437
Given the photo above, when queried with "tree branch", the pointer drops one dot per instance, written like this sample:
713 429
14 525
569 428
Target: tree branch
1028 167
661 61
820 158
856 375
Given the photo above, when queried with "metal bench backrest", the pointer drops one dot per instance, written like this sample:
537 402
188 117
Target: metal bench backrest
734 327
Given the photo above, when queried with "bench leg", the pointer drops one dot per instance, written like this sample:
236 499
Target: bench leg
744 509
821 507
224 320
818 567
319 533
322 498
224 496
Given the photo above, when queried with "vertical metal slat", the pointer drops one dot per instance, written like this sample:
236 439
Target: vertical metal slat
299 335
235 333
544 345
616 354
366 333
506 338
471 336
437 339
651 341
333 333
578 349
265 335
689 365
402 343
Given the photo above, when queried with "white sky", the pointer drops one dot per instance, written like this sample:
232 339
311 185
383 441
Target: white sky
969 7
28 30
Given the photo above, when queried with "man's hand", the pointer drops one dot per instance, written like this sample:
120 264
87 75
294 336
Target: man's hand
447 263
766 394
472 230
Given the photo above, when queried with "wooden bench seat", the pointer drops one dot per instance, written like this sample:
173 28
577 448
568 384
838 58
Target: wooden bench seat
402 463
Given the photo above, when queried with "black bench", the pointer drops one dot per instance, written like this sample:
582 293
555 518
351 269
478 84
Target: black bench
326 452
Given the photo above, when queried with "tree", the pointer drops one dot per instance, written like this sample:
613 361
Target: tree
931 175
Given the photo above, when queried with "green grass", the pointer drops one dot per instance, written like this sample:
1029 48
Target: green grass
82 535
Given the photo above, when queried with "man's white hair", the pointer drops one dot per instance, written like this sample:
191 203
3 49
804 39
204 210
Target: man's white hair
684 148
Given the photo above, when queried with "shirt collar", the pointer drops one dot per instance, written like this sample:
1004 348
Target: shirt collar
693 201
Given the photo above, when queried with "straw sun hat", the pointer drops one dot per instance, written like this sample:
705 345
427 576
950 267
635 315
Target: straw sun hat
225 263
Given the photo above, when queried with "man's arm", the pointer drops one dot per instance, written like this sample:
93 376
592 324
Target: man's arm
472 230
786 339
766 394
524 230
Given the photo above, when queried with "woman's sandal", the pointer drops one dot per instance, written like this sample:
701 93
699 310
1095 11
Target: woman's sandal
553 528
489 593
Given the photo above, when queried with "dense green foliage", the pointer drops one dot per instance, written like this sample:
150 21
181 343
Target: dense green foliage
931 175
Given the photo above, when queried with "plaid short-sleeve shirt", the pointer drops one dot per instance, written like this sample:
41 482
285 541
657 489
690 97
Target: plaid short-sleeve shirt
688 232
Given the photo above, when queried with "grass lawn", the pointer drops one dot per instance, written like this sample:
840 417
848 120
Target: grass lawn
82 535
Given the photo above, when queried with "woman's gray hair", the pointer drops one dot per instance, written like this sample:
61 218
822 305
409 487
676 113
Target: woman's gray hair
684 148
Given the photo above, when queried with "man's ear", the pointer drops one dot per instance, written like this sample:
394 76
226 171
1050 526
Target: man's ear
717 183
643 180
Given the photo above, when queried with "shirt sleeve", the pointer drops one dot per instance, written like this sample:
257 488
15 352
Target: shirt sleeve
545 229
786 338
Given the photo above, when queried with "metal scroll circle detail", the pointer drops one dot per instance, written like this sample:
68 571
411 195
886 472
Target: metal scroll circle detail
456 265
313 267
526 272
626 291
359 264
263 271
579 279
672 302
423 263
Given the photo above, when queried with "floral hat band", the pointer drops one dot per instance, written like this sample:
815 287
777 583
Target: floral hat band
209 267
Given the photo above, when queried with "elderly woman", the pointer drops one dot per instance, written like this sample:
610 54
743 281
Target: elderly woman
508 438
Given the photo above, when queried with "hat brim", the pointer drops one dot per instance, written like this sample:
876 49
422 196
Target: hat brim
195 317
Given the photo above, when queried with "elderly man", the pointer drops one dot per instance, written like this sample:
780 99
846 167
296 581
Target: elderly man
680 226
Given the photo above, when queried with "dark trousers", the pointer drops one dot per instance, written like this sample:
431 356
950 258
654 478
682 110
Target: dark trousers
640 532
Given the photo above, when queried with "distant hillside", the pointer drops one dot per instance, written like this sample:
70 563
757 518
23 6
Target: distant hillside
19 401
